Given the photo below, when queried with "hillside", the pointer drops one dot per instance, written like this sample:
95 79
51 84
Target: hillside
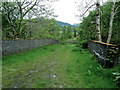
64 24
60 23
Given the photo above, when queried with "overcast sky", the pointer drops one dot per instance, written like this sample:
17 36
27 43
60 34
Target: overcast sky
66 11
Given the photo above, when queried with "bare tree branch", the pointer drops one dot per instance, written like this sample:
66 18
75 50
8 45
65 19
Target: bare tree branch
87 10
30 8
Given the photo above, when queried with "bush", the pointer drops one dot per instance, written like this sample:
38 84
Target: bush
82 43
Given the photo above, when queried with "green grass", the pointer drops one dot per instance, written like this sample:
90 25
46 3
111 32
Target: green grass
55 66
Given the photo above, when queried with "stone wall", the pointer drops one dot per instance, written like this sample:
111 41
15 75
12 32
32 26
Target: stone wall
108 54
15 46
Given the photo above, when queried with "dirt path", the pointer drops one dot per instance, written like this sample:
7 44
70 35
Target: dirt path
56 69
53 66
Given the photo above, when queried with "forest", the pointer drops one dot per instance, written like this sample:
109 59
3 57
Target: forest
69 63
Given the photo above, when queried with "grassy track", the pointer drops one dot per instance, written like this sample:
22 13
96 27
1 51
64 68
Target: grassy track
54 66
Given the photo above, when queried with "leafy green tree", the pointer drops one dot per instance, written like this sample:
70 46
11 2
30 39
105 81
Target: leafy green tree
43 28
87 29
66 32
15 12
106 19
114 11
69 32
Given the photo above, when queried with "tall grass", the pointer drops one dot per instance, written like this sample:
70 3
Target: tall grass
94 75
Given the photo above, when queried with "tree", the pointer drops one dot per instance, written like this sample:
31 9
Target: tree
75 32
69 32
87 27
42 28
16 11
88 7
98 25
113 12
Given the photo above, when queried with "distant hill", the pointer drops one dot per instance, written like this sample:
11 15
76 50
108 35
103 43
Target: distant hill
64 24
77 24
60 23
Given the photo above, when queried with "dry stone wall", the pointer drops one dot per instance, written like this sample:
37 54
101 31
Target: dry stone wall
15 46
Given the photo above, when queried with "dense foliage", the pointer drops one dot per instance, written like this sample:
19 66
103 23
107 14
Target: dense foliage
18 22
14 14
42 28
87 29
39 28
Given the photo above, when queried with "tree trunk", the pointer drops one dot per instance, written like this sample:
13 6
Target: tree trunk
75 33
111 23
98 21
